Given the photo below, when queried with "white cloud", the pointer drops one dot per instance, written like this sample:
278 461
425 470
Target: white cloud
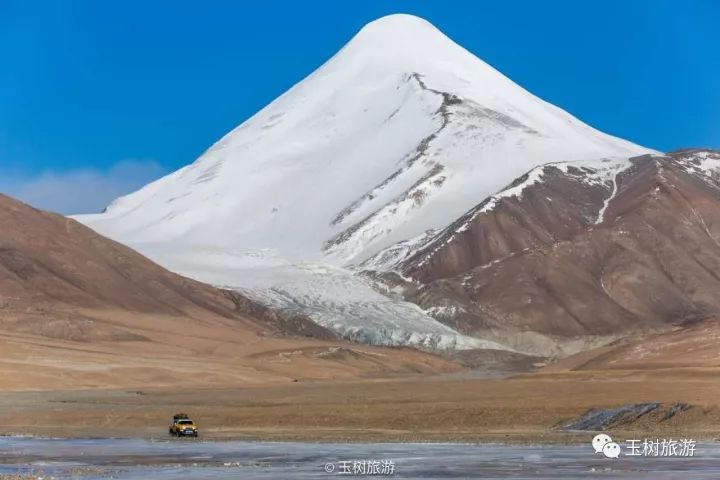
82 190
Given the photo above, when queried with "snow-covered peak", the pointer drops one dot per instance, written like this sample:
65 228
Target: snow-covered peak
400 132
397 28
397 135
399 42
400 23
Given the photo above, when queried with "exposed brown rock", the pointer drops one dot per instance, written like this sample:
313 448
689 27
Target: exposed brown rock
537 267
552 210
80 311
695 346
50 263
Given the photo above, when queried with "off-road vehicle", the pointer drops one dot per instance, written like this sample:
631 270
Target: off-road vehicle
182 426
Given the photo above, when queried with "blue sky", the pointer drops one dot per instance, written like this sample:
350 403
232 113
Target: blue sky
98 98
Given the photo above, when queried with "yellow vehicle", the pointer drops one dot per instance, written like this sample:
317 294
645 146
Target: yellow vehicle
182 426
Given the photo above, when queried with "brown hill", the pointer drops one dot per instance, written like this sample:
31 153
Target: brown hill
77 309
690 347
50 260
572 263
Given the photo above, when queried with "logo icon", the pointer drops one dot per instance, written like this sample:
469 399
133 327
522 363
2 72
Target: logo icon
602 443
599 441
611 450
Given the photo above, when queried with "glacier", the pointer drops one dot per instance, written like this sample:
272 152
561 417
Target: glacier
394 137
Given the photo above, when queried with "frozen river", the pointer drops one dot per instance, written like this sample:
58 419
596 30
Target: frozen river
188 459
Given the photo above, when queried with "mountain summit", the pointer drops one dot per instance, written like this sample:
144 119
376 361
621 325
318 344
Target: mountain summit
370 163
399 132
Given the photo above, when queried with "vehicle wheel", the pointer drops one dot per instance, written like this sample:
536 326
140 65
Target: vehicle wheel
195 434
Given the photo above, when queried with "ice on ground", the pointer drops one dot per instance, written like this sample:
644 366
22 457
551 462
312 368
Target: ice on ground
137 459
331 296
399 134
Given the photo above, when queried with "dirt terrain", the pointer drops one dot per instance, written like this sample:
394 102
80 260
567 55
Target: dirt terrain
691 346
240 385
78 310
524 409
96 340
180 352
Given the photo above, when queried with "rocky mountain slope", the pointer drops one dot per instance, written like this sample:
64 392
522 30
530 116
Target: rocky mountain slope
50 264
692 348
78 310
572 259
406 193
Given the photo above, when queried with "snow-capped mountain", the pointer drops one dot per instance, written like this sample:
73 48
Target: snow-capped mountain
572 259
361 165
